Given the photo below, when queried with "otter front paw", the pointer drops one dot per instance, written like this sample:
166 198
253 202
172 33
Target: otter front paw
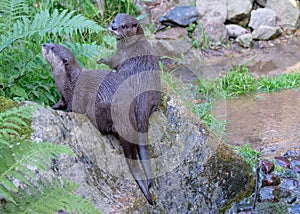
60 105
100 61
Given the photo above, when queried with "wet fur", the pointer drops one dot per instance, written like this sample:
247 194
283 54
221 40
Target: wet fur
78 94
135 58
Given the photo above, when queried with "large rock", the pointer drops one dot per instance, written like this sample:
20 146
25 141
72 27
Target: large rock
262 3
194 171
180 16
235 30
171 47
212 10
245 40
173 33
238 11
266 33
262 16
287 12
215 31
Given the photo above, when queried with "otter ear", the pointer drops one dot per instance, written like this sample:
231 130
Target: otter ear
65 61
134 25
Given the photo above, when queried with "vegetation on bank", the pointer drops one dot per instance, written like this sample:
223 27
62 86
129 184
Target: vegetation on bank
239 81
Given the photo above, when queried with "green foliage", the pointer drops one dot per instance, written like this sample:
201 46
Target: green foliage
283 81
44 23
21 191
51 197
25 75
238 81
250 155
112 8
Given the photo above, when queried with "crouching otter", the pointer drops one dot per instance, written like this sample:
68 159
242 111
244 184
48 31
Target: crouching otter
106 98
136 61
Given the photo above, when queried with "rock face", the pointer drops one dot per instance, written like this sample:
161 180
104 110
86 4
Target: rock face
245 40
266 32
235 30
171 47
287 11
238 12
212 10
262 16
193 170
180 16
216 31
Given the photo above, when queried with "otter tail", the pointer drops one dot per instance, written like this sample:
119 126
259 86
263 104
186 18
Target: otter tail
130 151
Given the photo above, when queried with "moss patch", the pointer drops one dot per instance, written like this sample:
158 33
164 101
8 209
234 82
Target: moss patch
6 104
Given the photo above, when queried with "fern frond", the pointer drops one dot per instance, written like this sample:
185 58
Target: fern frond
88 51
63 24
12 122
21 157
13 9
51 198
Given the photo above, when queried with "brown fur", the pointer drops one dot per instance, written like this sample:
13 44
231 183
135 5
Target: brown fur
105 97
136 61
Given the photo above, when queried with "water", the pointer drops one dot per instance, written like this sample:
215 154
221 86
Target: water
270 122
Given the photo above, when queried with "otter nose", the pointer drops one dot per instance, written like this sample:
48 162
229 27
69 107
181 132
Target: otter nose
113 28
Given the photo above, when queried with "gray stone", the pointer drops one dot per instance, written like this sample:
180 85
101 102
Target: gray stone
238 11
266 32
180 16
287 12
215 31
235 30
171 47
173 33
193 170
212 10
262 16
262 3
245 40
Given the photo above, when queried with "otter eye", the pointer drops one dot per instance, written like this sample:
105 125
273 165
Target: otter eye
123 26
134 24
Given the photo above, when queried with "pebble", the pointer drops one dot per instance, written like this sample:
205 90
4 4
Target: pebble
281 161
293 152
267 166
271 180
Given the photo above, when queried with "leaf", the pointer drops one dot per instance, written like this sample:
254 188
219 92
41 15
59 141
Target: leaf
43 23
18 91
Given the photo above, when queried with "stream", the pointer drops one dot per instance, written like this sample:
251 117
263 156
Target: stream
270 122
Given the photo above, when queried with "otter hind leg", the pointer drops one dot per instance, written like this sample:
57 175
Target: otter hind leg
130 152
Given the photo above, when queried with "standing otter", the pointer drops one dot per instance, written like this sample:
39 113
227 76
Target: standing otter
136 61
100 95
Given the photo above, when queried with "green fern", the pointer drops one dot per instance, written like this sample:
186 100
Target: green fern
21 190
62 24
50 198
84 50
12 122
13 10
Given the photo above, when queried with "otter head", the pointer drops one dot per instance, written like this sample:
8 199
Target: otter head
65 68
124 26
62 61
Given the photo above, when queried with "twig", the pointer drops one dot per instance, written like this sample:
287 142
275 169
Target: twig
256 188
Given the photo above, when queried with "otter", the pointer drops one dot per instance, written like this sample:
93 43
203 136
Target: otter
101 95
136 61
